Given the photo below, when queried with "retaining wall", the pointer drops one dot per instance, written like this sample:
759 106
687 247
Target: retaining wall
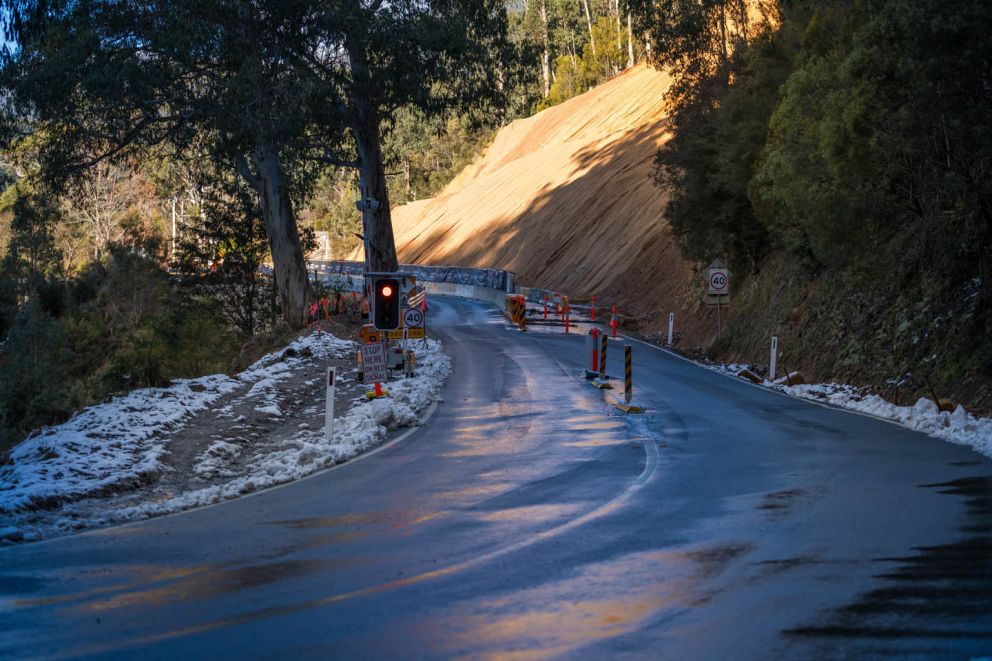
346 273
460 275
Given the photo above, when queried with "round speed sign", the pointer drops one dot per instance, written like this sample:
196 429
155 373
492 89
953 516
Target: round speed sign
719 281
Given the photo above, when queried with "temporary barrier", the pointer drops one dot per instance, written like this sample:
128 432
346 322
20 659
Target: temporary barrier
613 321
516 310
592 310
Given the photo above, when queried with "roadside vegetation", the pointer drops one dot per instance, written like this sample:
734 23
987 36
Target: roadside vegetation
154 157
837 155
91 311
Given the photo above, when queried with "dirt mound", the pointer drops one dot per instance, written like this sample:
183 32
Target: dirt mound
566 201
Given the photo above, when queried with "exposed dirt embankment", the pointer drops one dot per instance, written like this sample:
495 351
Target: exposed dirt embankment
566 201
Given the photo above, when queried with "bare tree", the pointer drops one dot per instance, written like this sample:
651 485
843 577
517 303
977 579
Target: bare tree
101 202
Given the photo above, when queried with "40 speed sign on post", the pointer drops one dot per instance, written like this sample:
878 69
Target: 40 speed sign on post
719 281
718 288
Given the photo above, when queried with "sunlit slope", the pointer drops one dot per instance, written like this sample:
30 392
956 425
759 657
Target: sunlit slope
563 198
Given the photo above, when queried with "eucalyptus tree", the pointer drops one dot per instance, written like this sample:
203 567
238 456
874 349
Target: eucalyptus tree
278 89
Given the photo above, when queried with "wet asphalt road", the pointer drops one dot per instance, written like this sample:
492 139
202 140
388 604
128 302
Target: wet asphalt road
529 518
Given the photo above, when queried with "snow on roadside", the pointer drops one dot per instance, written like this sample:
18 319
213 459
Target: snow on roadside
108 447
924 416
119 445
365 425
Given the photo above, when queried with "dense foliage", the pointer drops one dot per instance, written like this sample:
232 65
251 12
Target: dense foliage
844 148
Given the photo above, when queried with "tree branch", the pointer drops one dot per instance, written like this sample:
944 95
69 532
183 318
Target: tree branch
330 159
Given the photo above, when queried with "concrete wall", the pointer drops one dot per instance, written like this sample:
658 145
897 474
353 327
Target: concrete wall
462 275
492 295
487 294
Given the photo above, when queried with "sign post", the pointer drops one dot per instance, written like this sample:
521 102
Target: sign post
374 365
718 288
329 405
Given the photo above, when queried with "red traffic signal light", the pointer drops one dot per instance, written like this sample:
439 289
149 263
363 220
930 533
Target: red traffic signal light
386 305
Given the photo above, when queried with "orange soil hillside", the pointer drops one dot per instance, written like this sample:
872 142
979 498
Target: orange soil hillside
566 201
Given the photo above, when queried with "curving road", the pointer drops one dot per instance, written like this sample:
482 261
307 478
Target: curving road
529 518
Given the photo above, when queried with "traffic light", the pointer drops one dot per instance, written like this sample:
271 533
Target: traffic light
386 303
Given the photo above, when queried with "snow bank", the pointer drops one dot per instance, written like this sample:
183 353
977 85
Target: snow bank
924 416
104 448
365 425
119 445
957 427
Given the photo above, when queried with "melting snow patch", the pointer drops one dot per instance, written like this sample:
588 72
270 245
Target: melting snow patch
364 426
924 416
104 448
119 445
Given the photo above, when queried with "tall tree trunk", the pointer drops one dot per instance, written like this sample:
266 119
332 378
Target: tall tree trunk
546 56
616 14
630 41
379 230
269 179
723 38
592 39
365 128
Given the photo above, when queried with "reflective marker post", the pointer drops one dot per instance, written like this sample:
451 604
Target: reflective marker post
628 385
773 359
329 406
671 327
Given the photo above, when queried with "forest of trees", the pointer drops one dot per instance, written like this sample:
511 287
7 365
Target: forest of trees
155 155
846 145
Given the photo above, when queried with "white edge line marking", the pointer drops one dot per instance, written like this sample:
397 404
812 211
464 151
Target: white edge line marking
763 388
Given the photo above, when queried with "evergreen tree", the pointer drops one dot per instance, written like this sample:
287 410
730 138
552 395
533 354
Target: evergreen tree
278 89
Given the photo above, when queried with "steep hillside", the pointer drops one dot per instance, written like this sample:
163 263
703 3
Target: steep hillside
565 200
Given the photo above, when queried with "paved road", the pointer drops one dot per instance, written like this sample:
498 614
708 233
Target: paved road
528 518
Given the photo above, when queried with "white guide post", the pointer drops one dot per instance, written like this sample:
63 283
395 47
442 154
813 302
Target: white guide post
671 327
773 359
329 405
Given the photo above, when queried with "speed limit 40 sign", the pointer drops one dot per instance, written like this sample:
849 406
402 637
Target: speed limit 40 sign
719 282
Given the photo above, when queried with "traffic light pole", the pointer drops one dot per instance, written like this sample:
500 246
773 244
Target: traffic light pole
366 204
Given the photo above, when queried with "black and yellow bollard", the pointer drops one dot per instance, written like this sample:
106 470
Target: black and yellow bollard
628 384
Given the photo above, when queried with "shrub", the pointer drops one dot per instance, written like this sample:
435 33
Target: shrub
33 385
